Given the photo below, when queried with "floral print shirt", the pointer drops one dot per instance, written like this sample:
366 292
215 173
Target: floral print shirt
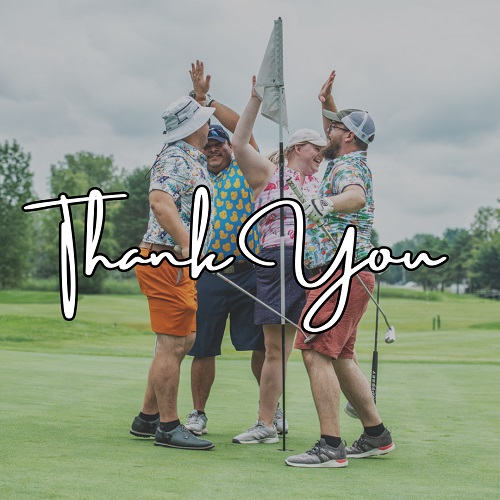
347 170
179 170
269 225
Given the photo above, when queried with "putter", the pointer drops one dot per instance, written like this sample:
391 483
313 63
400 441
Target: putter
390 335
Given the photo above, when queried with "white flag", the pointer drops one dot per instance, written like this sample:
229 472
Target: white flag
269 85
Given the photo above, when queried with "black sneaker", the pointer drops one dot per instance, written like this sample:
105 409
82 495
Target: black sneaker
367 446
180 437
144 429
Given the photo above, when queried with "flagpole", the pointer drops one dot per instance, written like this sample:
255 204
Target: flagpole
278 48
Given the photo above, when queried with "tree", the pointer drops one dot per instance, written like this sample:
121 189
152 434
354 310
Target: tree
75 176
16 227
485 265
130 217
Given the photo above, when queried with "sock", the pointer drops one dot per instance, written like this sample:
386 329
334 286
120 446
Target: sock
332 441
149 418
375 431
200 412
169 426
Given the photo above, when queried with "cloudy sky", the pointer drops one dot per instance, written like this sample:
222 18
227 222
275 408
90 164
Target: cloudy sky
95 76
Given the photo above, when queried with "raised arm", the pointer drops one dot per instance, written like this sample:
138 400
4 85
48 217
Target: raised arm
326 98
201 85
256 168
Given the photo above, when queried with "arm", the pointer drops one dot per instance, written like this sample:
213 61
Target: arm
256 168
326 98
164 209
350 200
201 85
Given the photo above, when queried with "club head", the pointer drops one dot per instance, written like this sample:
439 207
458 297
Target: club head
390 335
310 338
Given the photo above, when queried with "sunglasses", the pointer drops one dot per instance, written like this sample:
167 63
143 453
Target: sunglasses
333 125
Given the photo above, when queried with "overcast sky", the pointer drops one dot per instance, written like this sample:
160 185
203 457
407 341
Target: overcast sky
96 76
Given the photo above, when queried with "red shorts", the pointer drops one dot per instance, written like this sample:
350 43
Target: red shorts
338 342
171 296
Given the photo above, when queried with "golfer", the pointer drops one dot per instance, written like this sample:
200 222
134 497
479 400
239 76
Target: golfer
304 155
345 198
179 169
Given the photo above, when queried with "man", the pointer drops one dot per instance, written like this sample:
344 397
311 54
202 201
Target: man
178 170
218 300
345 198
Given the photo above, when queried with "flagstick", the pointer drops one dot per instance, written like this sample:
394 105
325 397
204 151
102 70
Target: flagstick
278 48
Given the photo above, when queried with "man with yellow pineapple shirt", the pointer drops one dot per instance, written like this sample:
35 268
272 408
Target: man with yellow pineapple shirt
218 300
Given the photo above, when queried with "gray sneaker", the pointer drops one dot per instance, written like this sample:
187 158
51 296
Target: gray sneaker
180 437
322 455
144 429
197 423
367 446
279 421
259 433
349 409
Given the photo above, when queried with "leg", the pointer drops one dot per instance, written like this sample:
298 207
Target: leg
150 406
202 379
258 358
325 390
271 385
356 388
164 372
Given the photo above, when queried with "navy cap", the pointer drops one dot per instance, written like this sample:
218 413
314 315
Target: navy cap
217 133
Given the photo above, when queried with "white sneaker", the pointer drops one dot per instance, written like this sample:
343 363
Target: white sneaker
196 423
349 410
279 421
259 433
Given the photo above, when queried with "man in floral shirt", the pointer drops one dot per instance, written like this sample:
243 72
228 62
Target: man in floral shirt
178 170
345 198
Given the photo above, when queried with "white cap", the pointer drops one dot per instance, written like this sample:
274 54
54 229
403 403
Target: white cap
306 135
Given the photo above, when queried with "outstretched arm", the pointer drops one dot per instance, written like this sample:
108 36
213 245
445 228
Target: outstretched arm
256 168
201 85
326 98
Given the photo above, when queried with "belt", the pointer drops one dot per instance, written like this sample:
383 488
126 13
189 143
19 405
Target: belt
238 268
310 273
156 247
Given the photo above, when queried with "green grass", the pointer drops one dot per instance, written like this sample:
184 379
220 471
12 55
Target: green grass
69 391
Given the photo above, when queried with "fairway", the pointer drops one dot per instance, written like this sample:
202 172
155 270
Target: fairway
69 392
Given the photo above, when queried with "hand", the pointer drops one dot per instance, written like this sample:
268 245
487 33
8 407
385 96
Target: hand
316 208
326 89
254 82
201 83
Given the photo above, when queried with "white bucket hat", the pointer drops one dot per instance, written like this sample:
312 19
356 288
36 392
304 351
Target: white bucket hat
306 135
183 117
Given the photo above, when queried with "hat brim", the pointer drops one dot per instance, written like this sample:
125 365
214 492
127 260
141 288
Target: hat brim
191 125
319 142
220 139
334 117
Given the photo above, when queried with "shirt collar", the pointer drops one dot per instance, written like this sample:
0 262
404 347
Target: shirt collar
190 150
355 154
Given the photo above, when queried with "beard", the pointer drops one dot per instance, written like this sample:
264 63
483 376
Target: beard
331 151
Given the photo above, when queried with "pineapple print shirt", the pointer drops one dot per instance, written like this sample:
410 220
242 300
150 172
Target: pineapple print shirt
233 204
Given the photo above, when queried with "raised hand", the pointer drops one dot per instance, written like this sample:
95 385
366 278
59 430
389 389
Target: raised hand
201 83
326 89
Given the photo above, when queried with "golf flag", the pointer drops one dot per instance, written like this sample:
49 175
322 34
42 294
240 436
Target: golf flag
269 85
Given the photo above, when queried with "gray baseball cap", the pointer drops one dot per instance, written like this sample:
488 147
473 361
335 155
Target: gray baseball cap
357 121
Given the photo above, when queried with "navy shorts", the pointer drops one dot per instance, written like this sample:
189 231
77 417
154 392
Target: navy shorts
216 301
269 289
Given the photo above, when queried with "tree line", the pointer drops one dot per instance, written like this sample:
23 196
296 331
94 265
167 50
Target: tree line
30 241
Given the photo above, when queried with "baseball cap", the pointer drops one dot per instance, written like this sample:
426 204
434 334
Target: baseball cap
357 121
218 133
306 135
183 117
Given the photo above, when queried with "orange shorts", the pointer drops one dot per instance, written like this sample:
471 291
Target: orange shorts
338 342
171 296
